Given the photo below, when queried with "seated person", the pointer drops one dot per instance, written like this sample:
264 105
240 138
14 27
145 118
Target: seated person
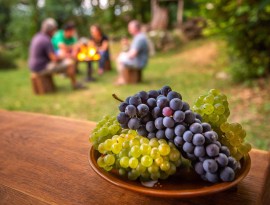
137 56
64 41
43 60
99 41
125 44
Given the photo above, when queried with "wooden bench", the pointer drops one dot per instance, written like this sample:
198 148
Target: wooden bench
132 76
42 84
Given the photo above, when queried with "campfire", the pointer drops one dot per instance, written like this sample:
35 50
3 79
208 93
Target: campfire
88 54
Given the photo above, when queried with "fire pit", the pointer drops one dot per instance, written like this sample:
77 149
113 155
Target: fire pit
88 54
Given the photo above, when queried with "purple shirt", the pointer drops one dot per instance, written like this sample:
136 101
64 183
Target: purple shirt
39 51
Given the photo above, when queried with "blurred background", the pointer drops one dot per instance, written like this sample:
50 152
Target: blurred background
198 44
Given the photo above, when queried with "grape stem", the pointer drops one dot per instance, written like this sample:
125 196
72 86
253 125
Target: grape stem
117 98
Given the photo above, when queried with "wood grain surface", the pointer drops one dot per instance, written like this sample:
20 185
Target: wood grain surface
44 160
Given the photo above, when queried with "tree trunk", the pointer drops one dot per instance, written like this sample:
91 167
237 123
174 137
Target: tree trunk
160 18
180 10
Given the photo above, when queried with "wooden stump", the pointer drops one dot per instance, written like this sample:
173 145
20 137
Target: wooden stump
132 76
42 84
108 66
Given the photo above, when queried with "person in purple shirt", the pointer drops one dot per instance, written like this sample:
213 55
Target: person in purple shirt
43 60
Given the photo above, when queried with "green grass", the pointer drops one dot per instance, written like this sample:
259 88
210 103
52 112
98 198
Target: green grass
190 70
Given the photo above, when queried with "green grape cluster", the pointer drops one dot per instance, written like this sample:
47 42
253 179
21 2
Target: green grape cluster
213 107
107 127
135 156
234 138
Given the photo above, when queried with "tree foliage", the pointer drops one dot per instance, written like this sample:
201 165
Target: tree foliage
246 26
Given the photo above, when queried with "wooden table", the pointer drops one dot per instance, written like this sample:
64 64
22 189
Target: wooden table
44 160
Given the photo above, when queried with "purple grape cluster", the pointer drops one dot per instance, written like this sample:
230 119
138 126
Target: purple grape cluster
210 159
162 114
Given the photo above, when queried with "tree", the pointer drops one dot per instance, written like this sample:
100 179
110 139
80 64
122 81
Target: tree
5 18
245 24
160 18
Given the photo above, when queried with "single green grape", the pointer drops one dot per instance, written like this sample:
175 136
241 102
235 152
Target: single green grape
199 101
174 155
101 162
224 127
230 135
164 149
213 117
209 99
154 142
165 166
145 149
104 131
171 145
153 168
140 168
242 134
133 174
248 147
172 169
154 153
108 168
159 160
162 141
120 139
108 144
101 148
109 159
125 144
124 162
208 108
133 162
214 92
145 176
122 171
135 151
134 142
155 176
132 132
123 153
219 108
144 140
116 148
236 128
146 161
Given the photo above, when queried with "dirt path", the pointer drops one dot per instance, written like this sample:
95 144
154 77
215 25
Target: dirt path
203 55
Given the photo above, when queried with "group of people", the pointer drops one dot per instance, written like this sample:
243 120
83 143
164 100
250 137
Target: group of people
55 51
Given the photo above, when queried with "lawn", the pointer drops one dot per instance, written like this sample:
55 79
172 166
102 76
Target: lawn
192 70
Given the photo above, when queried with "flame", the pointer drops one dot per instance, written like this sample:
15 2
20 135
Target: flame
81 56
91 51
88 54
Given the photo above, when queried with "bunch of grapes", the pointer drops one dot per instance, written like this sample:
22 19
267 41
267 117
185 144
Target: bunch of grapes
233 136
213 107
210 159
138 157
163 115
105 129
156 113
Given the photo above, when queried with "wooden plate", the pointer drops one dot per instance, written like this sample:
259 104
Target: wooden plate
185 183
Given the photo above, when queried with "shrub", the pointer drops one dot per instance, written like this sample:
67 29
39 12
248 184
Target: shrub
246 26
7 60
